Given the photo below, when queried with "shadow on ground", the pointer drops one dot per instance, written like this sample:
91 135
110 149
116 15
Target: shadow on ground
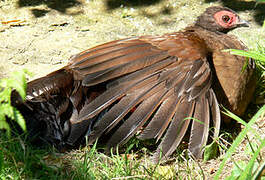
58 5
113 4
239 5
62 5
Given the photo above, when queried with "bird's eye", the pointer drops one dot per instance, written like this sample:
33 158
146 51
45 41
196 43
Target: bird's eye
226 18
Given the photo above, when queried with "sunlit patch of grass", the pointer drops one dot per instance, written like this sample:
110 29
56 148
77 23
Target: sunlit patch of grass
20 160
250 167
91 164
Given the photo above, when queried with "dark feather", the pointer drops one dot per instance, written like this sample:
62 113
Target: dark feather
176 130
113 94
137 64
113 116
50 84
137 119
161 119
143 73
200 127
111 54
103 49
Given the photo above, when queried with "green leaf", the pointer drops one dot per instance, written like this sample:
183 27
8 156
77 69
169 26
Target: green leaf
7 85
4 125
2 116
231 177
259 172
260 1
19 82
5 95
7 110
210 151
194 119
19 119
239 168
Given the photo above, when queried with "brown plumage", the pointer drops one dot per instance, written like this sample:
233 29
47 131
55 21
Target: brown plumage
158 84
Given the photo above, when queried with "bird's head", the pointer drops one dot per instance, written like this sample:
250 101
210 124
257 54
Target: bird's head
220 19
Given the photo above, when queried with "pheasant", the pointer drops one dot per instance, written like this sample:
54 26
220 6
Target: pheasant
154 86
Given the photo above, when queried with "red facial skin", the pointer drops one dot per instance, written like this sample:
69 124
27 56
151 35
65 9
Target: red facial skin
226 19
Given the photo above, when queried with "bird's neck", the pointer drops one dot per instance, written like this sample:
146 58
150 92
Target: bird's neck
211 38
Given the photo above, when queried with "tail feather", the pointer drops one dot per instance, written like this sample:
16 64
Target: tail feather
52 102
60 81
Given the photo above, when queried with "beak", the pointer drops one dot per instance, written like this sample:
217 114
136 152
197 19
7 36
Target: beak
242 23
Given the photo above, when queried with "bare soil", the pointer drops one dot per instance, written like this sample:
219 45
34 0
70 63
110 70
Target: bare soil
48 33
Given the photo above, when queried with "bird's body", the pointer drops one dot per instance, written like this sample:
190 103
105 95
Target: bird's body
158 84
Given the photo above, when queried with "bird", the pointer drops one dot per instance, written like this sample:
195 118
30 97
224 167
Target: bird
153 87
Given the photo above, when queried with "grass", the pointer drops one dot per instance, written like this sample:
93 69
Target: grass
18 160
247 172
22 161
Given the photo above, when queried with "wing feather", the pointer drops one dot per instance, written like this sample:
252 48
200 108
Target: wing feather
141 74
161 119
76 130
105 54
176 130
104 49
50 84
200 127
215 111
113 60
137 119
162 84
123 69
111 95
112 117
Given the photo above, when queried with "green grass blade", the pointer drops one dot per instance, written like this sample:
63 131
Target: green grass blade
247 173
259 171
250 54
233 116
238 140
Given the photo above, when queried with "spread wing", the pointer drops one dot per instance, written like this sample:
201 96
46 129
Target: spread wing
158 84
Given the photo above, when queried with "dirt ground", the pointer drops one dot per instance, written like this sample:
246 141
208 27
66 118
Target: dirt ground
48 33
41 35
